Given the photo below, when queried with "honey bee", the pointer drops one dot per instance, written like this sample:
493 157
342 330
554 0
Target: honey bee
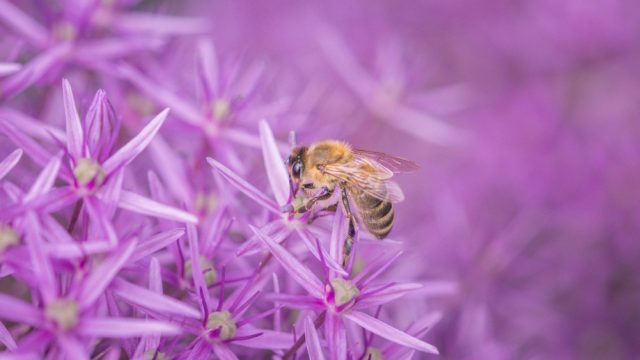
331 171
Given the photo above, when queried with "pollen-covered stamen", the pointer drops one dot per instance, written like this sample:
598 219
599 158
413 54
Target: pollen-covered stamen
221 109
89 172
372 354
343 291
8 237
63 312
205 203
208 270
154 354
221 322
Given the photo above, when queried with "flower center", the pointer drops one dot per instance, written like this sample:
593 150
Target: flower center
221 320
208 270
344 291
89 172
8 237
221 108
205 203
372 354
63 312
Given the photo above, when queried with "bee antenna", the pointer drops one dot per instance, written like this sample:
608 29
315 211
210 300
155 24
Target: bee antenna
292 139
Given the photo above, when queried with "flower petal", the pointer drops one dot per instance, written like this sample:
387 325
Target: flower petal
41 263
136 145
22 23
303 276
99 217
101 277
336 335
6 339
9 68
155 276
274 164
9 162
388 332
19 311
311 242
385 295
153 300
75 137
45 180
140 204
312 340
248 189
268 339
198 277
34 150
156 243
224 353
182 110
125 328
72 347
207 68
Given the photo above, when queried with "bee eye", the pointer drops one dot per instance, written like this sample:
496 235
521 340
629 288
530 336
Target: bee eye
296 169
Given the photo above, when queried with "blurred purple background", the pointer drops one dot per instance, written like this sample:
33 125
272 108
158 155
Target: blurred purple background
523 115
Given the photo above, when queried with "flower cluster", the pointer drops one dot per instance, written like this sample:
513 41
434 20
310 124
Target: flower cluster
146 210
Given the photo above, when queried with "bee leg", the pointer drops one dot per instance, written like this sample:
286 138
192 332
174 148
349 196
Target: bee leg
351 232
323 212
309 204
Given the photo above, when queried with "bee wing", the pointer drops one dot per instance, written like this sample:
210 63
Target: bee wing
373 181
392 163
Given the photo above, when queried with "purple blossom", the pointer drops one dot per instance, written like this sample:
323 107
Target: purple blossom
146 210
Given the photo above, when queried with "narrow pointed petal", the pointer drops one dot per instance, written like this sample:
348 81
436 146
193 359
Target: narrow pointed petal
125 328
388 332
274 164
34 70
168 164
45 180
40 262
9 68
196 270
268 340
156 243
19 311
34 150
312 340
336 336
183 110
136 145
245 187
207 68
224 353
22 23
34 128
155 276
311 242
375 268
102 276
98 217
297 301
303 276
9 162
385 295
72 347
152 300
6 339
159 24
74 250
75 137
140 204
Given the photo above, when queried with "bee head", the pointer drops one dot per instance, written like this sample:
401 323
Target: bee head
296 163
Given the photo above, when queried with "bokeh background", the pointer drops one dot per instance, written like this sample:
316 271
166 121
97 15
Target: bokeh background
523 115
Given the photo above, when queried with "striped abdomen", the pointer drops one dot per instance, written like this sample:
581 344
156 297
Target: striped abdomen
376 214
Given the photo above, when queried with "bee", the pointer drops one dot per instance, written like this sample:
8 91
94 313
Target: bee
331 171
